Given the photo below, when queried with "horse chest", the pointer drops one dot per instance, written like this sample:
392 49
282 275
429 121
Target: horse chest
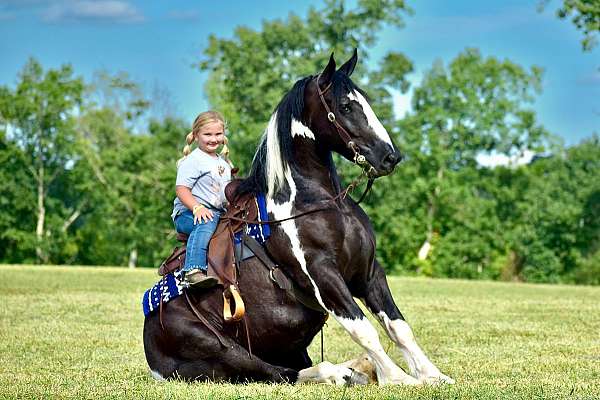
340 237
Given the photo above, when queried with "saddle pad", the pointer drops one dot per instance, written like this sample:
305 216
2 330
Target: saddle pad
260 232
169 288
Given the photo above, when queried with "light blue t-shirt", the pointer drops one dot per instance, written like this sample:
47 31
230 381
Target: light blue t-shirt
206 176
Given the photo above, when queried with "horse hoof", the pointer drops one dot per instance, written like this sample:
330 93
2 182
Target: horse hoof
438 380
356 378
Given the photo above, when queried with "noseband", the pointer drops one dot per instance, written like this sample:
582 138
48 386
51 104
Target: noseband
359 159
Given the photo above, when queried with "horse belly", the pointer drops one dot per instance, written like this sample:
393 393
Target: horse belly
276 321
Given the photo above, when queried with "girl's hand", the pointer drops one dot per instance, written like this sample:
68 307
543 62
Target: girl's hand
202 215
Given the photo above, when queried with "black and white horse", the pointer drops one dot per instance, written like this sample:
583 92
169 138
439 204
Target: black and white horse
330 254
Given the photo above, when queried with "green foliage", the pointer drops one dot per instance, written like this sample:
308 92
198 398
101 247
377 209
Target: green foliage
88 175
585 15
74 162
38 119
251 72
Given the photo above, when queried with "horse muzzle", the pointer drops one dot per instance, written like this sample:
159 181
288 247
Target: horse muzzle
382 166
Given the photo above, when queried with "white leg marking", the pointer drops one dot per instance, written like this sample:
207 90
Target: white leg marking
420 366
325 372
157 376
372 119
363 333
299 129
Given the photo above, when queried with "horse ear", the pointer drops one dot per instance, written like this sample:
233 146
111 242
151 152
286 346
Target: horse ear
328 72
349 65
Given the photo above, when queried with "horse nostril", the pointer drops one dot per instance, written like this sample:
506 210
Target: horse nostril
392 159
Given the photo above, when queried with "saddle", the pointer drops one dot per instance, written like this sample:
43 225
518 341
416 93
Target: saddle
221 260
223 264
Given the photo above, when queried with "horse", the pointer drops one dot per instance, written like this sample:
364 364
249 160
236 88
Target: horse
329 253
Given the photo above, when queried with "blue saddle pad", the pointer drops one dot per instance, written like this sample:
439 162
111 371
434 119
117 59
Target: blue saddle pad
169 288
260 232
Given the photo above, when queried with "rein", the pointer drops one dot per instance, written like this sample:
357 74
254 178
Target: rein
340 196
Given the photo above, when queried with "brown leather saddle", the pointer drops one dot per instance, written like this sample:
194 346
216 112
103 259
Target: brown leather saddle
222 262
221 259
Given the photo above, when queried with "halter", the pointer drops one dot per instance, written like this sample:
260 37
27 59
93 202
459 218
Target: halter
359 159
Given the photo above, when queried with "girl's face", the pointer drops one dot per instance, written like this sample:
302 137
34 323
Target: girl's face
210 137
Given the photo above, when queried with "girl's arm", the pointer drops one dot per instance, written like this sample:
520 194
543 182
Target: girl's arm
201 213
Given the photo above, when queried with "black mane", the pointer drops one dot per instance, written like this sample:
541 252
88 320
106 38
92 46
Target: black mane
291 106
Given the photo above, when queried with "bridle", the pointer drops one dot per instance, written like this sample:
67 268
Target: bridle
367 169
359 159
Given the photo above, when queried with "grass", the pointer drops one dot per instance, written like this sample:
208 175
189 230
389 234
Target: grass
75 332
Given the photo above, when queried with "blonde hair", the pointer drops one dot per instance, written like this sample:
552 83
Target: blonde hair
203 119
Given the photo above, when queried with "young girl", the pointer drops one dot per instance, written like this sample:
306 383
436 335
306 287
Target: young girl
201 178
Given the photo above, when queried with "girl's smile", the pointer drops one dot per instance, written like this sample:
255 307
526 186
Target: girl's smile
210 137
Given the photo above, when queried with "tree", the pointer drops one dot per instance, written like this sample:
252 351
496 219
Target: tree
39 115
250 73
585 15
127 177
17 204
475 105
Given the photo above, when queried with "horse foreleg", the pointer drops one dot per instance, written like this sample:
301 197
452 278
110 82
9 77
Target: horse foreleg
380 302
334 295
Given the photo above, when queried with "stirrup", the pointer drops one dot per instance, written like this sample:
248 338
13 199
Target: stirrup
232 292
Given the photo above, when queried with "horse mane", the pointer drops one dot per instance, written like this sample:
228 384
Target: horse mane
274 156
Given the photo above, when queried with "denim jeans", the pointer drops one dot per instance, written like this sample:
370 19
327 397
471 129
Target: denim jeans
200 234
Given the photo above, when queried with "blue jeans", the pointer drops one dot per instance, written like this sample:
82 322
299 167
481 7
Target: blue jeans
200 234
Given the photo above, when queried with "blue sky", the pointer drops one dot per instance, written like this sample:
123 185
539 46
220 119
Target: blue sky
157 41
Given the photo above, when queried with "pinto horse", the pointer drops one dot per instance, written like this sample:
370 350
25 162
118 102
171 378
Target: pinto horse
329 253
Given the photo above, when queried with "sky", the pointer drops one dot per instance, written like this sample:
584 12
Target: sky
157 43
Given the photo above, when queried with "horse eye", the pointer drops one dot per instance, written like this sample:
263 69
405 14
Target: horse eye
345 108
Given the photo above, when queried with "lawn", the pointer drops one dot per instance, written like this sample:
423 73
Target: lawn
76 332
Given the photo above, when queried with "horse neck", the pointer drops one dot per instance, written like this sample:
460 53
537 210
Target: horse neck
315 169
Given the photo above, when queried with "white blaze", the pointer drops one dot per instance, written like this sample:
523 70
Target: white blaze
372 119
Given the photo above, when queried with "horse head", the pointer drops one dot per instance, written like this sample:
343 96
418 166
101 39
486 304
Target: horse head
341 117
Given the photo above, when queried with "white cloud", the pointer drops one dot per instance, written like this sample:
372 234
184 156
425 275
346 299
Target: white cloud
403 101
101 10
494 159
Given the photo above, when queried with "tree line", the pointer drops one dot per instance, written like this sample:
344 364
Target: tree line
88 174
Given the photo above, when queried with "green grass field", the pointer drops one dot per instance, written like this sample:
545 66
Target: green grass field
76 332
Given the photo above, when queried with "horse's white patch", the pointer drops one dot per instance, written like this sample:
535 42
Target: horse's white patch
282 211
372 119
363 333
157 376
275 165
299 129
325 372
418 363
